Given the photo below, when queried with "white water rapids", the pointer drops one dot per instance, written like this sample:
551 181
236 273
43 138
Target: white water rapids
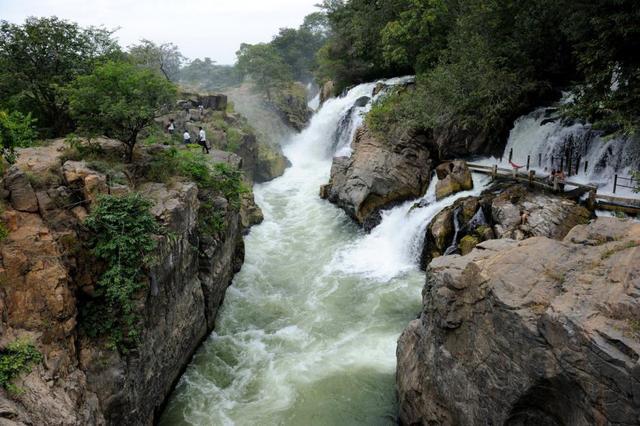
307 333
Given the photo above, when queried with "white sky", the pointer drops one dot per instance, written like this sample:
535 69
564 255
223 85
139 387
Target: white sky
200 28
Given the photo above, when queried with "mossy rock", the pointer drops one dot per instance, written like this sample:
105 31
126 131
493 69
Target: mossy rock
468 243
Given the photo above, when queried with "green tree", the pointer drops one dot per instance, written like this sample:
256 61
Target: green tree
207 75
605 37
263 64
16 130
120 100
164 58
418 35
43 55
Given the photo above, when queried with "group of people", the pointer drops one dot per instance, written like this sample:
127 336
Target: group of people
557 178
186 136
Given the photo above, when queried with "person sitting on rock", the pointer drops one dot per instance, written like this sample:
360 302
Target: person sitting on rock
203 141
186 137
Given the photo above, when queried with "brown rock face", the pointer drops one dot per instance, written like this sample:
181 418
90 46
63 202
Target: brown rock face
327 91
378 174
537 332
47 272
453 177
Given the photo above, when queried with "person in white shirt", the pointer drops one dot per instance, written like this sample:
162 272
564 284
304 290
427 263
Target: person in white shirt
203 141
171 127
186 137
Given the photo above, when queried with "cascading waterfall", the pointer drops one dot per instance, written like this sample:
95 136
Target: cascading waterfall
308 331
550 142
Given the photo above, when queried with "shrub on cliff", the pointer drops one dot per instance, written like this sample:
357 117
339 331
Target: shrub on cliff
123 232
212 179
119 100
15 359
16 130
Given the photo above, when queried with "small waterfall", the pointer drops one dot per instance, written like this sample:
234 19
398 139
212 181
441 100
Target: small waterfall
453 248
550 142
393 247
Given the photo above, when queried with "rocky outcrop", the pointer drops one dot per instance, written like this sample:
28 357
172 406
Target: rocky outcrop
512 211
292 106
47 273
453 177
536 332
194 100
378 174
327 91
231 132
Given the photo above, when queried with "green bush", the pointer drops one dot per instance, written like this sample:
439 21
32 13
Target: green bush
123 237
16 130
15 359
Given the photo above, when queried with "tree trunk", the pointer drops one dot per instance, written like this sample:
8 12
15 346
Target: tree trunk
129 146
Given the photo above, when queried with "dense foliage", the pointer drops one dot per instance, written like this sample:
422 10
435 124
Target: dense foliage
480 62
119 100
40 57
205 74
267 69
16 130
15 359
123 238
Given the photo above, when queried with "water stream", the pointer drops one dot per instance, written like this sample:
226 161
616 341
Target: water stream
307 333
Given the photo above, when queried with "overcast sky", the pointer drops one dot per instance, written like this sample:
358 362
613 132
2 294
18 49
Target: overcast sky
213 28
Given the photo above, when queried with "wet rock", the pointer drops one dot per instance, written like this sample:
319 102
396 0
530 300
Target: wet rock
536 332
250 213
453 177
379 174
362 102
21 193
512 212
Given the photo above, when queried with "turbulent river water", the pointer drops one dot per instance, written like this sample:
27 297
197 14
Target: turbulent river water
307 334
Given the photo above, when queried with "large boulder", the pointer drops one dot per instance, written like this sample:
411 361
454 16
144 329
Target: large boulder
378 174
536 332
453 177
23 197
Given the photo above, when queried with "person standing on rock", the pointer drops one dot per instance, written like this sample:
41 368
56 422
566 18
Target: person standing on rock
186 137
203 141
171 128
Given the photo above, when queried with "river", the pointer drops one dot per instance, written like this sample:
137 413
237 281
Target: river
307 333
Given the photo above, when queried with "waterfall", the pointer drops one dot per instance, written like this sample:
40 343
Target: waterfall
551 142
453 248
308 330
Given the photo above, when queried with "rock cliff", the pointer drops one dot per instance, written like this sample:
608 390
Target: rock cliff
378 174
536 332
47 272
